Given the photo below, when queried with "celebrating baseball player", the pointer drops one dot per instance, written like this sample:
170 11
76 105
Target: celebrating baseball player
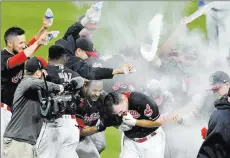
140 113
13 58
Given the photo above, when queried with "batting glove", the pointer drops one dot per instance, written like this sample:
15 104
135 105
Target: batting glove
204 132
123 127
101 126
129 120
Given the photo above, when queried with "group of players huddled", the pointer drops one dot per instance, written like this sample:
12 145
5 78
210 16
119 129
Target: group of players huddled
100 97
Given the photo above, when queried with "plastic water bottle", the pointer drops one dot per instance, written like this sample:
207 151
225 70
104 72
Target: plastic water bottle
97 15
52 35
49 14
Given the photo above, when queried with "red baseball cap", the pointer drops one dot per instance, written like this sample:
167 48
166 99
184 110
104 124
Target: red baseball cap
86 45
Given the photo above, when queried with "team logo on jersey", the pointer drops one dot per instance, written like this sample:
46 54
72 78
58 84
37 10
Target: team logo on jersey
18 77
92 117
134 113
148 111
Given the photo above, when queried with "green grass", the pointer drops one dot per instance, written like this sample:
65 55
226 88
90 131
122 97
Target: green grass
28 15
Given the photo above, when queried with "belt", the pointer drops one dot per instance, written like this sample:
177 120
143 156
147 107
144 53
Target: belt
141 140
6 107
68 116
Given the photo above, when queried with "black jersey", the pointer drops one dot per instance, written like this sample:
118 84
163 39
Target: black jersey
59 74
93 111
141 107
10 78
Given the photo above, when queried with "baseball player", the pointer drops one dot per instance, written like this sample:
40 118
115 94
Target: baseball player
217 142
217 23
164 99
59 137
94 114
12 65
145 137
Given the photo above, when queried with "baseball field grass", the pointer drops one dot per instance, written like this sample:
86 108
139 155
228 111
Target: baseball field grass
28 15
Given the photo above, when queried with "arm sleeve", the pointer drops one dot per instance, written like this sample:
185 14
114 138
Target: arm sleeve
31 42
92 73
37 84
73 30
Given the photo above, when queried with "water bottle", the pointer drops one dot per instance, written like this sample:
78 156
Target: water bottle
49 16
97 14
52 35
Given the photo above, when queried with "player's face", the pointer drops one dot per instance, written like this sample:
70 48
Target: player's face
121 108
17 44
82 54
94 91
221 89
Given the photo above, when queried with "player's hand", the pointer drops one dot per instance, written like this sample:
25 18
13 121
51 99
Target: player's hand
124 127
46 23
129 120
127 68
43 38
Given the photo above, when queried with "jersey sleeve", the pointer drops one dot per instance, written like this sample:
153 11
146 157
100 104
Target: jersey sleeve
4 60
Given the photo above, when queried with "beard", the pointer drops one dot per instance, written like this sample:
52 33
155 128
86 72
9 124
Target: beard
15 52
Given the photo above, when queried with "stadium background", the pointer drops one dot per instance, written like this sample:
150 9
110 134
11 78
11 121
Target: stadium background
28 15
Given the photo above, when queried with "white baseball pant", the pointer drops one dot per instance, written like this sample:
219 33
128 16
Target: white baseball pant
218 31
5 119
58 138
99 141
91 146
153 147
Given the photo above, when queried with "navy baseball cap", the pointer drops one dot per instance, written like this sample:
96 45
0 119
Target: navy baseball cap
217 78
86 45
35 63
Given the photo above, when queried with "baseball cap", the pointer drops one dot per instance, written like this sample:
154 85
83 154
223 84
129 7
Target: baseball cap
86 45
217 78
35 63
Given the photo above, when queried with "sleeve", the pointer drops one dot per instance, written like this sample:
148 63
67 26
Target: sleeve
150 108
4 59
31 42
37 84
73 30
92 73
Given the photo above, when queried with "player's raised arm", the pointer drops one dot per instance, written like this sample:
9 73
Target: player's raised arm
47 21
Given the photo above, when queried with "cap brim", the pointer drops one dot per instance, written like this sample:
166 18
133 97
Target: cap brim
213 87
91 54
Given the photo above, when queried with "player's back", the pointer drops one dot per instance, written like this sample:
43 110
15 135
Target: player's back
10 78
59 74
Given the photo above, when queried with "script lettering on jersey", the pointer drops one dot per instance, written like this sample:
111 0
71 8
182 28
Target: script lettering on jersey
148 111
18 77
66 76
92 117
134 113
